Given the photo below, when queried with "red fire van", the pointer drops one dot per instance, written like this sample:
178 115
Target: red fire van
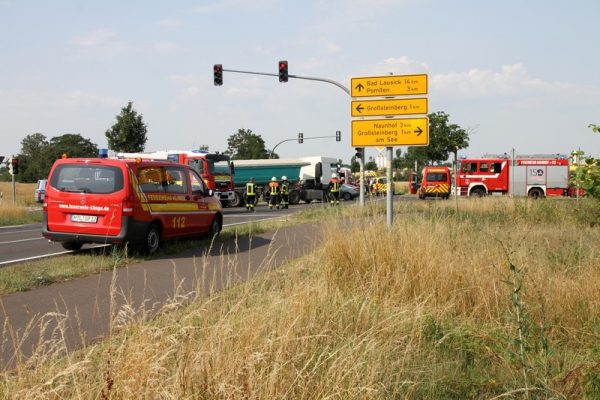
101 200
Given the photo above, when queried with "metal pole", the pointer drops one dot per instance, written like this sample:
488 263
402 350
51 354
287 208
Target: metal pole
512 173
309 78
390 198
289 140
361 163
14 189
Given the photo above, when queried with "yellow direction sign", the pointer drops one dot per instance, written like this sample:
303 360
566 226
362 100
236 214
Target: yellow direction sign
390 85
370 108
390 132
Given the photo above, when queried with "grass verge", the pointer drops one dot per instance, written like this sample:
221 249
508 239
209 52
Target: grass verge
495 299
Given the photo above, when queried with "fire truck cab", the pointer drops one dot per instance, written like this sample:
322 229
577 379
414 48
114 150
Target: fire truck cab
534 176
216 169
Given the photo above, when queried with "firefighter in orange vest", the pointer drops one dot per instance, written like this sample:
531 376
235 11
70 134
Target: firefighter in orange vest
334 189
273 193
250 194
285 192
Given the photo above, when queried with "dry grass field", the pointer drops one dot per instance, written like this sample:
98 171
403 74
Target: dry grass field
15 213
487 299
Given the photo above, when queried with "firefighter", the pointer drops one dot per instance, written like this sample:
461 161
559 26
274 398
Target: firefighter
273 193
285 192
250 194
334 189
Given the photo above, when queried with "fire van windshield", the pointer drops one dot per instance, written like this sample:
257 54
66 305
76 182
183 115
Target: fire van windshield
87 179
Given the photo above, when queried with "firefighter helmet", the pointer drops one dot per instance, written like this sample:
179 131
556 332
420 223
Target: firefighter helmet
284 178
273 179
334 175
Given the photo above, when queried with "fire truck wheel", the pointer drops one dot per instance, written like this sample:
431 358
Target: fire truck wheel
536 193
478 192
74 246
152 240
294 197
215 226
237 200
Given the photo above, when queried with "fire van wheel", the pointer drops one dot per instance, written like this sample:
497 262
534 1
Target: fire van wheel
74 246
536 193
152 240
215 226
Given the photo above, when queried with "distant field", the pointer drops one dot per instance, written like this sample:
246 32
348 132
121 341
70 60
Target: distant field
19 212
489 298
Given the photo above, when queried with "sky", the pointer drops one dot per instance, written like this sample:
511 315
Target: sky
521 75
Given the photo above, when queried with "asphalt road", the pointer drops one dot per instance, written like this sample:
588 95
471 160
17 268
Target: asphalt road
25 242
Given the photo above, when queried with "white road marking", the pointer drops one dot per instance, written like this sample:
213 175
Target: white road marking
45 255
22 240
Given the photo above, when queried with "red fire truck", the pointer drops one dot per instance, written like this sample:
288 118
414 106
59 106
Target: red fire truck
534 176
215 169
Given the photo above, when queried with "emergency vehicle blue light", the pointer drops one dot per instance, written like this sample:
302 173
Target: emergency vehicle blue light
173 157
103 153
200 151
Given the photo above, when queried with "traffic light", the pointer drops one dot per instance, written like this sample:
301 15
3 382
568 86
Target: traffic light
338 136
218 72
358 153
10 166
283 71
15 166
300 137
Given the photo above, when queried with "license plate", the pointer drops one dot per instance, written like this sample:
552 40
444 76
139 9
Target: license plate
84 218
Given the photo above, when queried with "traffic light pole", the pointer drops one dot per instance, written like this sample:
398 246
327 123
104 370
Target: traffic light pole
309 78
14 188
289 140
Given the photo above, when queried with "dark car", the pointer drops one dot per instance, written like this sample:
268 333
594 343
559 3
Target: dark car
40 191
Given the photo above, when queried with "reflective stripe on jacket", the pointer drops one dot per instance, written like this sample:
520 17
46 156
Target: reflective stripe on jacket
274 187
335 185
285 188
250 189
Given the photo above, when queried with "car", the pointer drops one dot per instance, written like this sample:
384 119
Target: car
109 201
39 193
349 192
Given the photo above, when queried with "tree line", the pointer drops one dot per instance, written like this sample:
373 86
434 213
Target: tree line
38 153
129 134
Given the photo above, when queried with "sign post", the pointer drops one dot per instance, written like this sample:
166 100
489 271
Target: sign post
397 99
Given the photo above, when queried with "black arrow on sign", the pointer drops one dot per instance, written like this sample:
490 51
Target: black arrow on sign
359 87
359 108
418 131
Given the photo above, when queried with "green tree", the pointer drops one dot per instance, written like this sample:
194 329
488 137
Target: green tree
128 134
587 174
38 154
444 139
34 162
245 145
371 165
73 145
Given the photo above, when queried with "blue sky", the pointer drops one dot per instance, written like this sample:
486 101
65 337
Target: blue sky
517 74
